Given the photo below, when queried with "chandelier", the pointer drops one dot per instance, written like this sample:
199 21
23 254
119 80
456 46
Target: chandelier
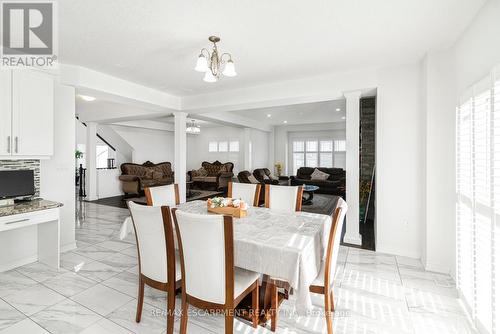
193 128
211 64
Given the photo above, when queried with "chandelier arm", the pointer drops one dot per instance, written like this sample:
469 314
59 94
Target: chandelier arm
221 60
207 55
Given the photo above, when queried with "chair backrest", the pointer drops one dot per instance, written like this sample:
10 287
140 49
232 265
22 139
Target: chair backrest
163 195
155 241
206 248
332 252
248 192
283 198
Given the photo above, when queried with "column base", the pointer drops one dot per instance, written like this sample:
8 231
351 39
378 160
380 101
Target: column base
353 239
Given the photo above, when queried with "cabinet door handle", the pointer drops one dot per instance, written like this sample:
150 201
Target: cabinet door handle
8 144
17 221
17 144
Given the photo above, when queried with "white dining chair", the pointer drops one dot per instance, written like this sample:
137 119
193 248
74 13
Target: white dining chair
283 198
162 195
324 282
209 278
248 192
159 266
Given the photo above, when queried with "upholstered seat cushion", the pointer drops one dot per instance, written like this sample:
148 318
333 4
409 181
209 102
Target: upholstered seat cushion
243 279
212 179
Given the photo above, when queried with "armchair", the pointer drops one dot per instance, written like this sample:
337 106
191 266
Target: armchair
263 175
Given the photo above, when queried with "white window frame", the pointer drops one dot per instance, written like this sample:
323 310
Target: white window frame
305 151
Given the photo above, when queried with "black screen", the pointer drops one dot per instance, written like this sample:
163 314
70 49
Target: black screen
16 183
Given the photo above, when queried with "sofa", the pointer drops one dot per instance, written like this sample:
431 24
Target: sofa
212 175
334 185
135 177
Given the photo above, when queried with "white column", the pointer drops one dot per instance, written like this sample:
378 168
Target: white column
352 235
180 155
90 159
246 150
271 158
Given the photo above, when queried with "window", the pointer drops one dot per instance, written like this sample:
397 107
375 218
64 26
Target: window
234 146
339 145
478 203
312 153
223 146
213 146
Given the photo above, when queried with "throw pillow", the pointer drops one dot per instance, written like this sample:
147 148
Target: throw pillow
319 175
272 177
253 180
265 177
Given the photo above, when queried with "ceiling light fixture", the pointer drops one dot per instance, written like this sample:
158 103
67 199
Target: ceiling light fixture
285 122
87 98
211 63
343 117
268 115
338 109
193 128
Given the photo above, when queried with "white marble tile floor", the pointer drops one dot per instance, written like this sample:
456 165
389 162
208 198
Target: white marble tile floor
96 289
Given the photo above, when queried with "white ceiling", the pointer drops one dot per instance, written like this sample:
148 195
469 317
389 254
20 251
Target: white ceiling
156 42
307 113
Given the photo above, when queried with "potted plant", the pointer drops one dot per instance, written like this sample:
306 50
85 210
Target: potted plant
279 168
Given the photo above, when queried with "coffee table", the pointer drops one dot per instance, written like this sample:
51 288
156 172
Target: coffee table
308 191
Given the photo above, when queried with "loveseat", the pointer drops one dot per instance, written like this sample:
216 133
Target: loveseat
136 177
333 185
212 175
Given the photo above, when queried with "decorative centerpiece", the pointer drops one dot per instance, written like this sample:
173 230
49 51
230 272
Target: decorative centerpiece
227 206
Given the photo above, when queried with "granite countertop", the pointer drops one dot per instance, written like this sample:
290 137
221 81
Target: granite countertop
28 206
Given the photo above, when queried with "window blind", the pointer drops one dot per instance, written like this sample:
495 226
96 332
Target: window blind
478 203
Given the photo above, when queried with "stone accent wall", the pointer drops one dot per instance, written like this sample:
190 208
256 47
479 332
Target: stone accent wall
367 138
24 164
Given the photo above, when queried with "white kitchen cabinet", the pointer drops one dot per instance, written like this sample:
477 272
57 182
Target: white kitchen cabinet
31 115
5 112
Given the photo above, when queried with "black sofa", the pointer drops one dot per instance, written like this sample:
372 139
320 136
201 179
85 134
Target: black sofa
334 185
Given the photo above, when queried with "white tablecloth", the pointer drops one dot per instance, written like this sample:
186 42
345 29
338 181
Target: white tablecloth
285 246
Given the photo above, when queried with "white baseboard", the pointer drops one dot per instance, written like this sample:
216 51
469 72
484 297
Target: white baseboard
437 267
393 251
68 247
18 263
352 239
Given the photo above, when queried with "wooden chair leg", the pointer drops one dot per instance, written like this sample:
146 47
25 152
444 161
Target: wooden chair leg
184 316
332 302
255 305
328 313
229 319
140 300
274 307
170 308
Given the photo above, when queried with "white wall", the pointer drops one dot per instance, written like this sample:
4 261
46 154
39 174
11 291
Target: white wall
400 162
448 73
57 175
197 147
153 145
478 50
260 148
438 85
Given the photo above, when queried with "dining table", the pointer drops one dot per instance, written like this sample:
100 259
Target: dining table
287 247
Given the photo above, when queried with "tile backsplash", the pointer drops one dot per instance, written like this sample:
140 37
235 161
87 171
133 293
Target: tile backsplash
24 164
